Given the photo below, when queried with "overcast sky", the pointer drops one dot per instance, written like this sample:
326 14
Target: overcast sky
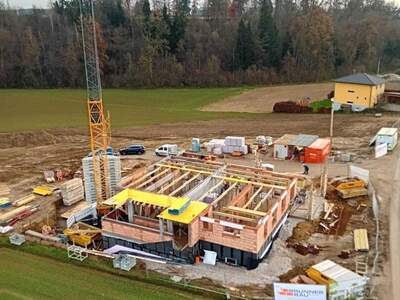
28 3
44 3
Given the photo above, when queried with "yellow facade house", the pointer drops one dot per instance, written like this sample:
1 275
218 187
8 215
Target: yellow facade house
360 91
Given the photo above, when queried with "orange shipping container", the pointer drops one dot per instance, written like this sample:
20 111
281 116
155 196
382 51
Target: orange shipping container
317 152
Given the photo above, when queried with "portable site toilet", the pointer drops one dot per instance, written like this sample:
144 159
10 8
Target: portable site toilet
387 136
195 145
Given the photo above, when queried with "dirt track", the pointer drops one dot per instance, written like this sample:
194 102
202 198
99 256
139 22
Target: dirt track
263 99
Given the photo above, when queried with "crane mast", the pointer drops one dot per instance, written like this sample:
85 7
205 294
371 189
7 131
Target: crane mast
99 126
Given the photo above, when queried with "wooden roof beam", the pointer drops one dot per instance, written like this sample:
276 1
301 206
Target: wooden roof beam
232 216
249 212
144 177
153 178
253 197
174 182
215 202
211 190
173 193
268 195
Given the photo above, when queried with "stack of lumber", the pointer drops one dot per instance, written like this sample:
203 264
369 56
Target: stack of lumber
24 200
42 190
5 217
361 240
72 191
4 202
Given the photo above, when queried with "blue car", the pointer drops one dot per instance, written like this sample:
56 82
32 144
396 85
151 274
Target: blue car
132 150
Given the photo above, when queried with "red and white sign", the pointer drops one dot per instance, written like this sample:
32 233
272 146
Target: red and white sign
288 291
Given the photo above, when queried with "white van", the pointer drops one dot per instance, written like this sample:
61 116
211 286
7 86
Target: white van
166 150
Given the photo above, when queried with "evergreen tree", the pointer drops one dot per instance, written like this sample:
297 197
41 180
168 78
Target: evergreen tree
182 7
177 31
245 47
268 35
146 10
166 21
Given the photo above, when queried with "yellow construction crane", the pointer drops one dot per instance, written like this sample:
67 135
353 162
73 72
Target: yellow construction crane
99 125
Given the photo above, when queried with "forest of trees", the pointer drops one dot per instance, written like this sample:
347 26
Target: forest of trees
210 43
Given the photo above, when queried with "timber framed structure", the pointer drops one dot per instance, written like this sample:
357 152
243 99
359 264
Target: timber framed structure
180 206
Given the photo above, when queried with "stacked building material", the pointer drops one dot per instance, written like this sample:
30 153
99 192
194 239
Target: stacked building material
72 191
215 145
24 200
112 181
5 202
235 144
5 218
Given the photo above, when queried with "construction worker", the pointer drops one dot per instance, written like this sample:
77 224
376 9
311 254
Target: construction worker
306 169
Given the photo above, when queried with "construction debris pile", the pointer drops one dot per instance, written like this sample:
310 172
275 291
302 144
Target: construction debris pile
345 197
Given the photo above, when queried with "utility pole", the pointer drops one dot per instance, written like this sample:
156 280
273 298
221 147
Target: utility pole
324 175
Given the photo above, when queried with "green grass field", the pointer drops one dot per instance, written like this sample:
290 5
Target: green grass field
26 109
27 276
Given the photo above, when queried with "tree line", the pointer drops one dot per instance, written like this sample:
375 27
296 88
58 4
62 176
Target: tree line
191 43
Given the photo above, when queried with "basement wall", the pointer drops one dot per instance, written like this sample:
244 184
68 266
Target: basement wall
132 231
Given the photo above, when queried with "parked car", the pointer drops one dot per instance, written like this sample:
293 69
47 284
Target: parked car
167 150
132 150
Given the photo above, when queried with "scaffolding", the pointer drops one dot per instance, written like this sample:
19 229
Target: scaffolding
77 253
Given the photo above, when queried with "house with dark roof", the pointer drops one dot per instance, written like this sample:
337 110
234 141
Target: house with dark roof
360 91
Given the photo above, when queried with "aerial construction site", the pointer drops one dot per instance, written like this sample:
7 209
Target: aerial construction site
278 200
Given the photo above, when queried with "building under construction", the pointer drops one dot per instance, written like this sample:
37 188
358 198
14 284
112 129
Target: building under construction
180 206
